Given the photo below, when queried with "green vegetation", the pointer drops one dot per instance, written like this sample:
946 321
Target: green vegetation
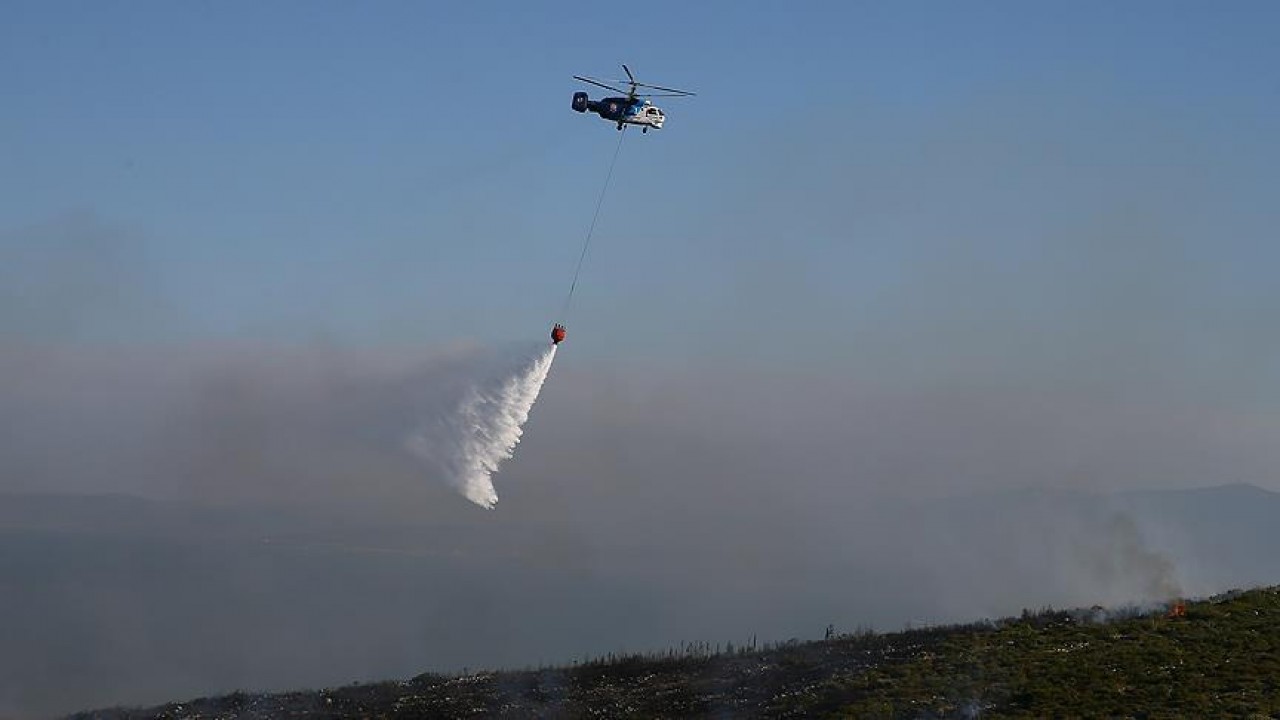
1221 660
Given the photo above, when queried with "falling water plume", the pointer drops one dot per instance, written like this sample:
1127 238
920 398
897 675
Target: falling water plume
468 445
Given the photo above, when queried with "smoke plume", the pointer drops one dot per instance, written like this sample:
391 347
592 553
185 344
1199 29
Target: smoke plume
468 445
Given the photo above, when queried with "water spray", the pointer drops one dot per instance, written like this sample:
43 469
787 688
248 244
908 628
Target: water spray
469 444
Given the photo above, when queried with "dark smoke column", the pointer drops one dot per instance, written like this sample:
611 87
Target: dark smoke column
557 334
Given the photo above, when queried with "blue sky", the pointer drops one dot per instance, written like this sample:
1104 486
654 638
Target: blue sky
889 180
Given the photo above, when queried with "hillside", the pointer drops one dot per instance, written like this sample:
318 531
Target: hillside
1221 659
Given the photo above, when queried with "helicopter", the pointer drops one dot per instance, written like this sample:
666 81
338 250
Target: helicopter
634 109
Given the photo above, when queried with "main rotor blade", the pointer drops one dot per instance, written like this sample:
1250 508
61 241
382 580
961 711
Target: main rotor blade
630 77
650 95
670 90
597 83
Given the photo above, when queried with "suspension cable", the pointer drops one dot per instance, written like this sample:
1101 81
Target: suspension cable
586 243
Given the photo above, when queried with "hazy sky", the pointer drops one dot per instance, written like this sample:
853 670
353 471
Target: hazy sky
871 174
1033 201
890 249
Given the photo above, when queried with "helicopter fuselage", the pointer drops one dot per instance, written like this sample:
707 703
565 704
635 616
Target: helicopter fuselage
622 111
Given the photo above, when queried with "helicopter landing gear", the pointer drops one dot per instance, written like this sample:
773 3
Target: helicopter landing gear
619 126
644 131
